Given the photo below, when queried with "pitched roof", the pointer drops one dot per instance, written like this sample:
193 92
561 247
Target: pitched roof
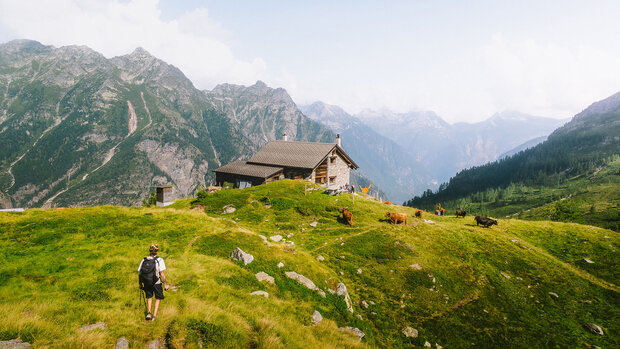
295 154
250 170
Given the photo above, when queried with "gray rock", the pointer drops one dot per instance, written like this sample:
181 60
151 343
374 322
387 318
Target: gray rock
359 271
15 344
353 330
313 224
228 209
320 258
416 266
365 304
305 281
359 316
155 344
280 265
596 329
554 295
122 343
241 256
260 293
316 317
342 291
91 327
427 344
262 276
438 346
331 291
371 302
588 261
276 238
506 275
410 332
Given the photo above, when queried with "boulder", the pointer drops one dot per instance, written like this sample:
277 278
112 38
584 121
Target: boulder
241 256
276 238
15 344
410 332
260 293
596 329
262 276
320 258
316 317
122 343
304 281
353 330
91 327
228 209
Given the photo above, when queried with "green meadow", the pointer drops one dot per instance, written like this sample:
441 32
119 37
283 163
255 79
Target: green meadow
458 284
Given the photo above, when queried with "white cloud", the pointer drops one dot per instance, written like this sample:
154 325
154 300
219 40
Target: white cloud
193 42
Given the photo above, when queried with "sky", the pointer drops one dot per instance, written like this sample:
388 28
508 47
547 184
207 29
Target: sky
465 60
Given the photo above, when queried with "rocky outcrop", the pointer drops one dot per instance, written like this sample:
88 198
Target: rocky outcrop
305 281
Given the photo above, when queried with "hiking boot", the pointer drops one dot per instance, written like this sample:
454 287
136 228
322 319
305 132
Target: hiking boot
149 316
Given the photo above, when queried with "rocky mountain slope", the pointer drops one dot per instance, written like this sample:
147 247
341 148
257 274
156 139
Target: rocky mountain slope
446 148
397 172
80 129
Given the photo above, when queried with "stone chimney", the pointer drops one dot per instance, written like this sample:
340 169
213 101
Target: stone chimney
284 137
338 141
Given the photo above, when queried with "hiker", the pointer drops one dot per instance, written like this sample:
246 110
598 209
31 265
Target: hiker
151 276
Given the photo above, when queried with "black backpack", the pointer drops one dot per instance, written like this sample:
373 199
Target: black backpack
148 271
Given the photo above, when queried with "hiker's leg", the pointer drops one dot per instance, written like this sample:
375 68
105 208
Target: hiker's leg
156 307
149 301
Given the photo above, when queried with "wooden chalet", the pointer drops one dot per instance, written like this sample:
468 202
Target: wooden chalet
321 163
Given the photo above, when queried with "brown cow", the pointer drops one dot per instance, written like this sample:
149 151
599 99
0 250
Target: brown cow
395 218
347 216
418 213
460 214
440 212
388 203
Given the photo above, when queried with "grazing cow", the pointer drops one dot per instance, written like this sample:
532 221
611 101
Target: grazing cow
347 216
486 222
395 218
460 214
388 203
418 214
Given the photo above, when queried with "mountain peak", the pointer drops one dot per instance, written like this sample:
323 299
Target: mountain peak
607 105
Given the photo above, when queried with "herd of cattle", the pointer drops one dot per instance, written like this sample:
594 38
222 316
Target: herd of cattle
397 218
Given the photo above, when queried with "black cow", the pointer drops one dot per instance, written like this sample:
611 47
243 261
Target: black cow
486 222
460 213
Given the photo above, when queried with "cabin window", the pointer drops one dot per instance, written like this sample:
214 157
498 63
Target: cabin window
332 179
332 159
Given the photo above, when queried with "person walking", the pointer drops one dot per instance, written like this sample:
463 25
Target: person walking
151 276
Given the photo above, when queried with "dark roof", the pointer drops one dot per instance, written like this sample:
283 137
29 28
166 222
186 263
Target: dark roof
250 170
296 154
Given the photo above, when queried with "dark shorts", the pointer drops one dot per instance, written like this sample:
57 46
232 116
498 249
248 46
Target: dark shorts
157 289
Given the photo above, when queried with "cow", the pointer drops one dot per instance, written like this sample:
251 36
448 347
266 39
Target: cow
347 216
486 222
388 203
395 218
460 214
418 214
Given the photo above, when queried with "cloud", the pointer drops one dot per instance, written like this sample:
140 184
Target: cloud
194 42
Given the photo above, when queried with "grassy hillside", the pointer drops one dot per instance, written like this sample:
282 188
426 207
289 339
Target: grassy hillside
469 287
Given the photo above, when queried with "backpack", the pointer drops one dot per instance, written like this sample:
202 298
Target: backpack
148 271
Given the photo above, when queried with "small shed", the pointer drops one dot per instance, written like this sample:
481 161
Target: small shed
164 195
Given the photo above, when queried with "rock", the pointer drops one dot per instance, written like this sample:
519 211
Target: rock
506 275
304 281
280 265
331 291
365 304
588 261
427 344
15 344
228 209
262 276
353 330
416 266
313 224
359 316
554 295
260 293
596 329
428 221
359 271
276 238
410 332
241 256
343 257
122 343
342 291
316 317
290 243
91 327
320 258
155 344
438 346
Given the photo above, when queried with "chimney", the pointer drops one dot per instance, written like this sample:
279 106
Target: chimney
338 141
284 137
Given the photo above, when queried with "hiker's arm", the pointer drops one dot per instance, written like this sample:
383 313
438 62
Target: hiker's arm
163 280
